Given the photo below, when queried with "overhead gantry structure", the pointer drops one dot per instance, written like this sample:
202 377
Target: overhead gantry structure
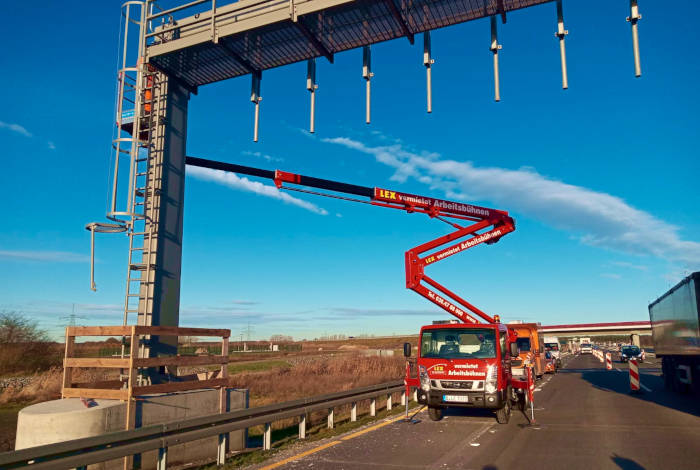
203 42
166 53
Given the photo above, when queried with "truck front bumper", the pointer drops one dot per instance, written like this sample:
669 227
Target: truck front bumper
441 398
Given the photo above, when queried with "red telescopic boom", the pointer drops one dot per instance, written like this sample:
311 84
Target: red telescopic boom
485 226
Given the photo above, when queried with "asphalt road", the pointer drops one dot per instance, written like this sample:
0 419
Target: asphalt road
587 419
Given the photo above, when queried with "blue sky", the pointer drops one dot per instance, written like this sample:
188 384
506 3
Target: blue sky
601 178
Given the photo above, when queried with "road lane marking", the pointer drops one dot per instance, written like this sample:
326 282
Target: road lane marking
478 434
331 444
645 387
371 428
618 369
299 456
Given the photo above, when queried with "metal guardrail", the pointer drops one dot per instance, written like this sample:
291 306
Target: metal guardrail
82 452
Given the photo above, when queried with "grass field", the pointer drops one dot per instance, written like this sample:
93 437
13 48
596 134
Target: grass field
8 424
270 377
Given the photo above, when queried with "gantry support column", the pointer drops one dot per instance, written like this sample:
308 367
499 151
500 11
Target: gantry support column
160 292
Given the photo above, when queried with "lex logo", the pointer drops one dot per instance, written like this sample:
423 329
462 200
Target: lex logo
384 194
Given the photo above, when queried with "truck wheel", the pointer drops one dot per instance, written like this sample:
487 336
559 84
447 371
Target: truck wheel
435 413
503 415
666 372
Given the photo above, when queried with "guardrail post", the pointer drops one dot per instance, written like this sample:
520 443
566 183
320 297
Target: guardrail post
302 426
415 394
373 407
221 449
353 411
403 398
388 402
162 462
330 418
267 437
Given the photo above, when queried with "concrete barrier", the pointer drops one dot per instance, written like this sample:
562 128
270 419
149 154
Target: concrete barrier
67 419
377 352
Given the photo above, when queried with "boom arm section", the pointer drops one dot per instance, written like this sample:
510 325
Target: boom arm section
485 226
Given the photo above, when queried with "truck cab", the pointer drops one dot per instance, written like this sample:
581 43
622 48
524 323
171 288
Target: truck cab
531 348
551 344
465 365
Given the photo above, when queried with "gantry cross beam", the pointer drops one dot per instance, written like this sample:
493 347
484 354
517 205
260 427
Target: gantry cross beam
268 34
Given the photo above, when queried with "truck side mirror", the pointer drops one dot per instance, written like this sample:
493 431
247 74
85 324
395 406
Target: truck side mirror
407 349
514 351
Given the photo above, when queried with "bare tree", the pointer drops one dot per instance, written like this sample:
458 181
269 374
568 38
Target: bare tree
15 327
24 347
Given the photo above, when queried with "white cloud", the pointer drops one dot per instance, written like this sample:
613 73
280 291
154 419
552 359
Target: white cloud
598 218
51 145
264 156
15 128
625 264
346 312
244 302
236 182
49 256
611 275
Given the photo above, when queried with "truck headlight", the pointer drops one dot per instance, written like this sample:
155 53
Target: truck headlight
424 379
491 384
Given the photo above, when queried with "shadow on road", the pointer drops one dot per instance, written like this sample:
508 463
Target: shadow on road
614 381
470 412
625 464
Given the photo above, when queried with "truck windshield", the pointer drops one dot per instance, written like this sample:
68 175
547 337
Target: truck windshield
458 343
524 344
552 346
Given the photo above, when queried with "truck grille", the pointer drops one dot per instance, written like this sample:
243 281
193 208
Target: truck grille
516 363
467 384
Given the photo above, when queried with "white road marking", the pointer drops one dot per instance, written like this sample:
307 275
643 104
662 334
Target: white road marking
645 387
618 369
478 434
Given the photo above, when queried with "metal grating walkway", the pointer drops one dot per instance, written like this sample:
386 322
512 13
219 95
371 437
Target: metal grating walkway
249 35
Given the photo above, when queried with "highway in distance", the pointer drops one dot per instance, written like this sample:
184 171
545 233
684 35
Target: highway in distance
587 420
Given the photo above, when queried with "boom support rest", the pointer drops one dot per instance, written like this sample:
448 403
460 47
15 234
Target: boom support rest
486 226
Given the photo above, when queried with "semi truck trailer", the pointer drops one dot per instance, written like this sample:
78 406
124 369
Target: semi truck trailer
675 328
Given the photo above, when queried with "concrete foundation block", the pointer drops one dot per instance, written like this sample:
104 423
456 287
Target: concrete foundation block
68 419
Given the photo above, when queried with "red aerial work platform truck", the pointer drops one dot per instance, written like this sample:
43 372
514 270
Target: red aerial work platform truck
465 364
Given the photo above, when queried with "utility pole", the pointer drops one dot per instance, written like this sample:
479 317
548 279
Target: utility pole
248 331
71 318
